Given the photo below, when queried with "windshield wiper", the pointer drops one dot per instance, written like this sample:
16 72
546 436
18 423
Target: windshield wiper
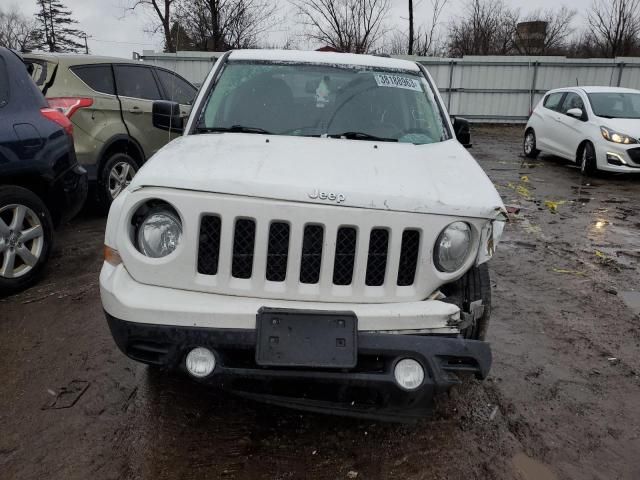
232 129
361 136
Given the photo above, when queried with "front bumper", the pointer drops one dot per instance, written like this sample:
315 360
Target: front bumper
368 390
612 157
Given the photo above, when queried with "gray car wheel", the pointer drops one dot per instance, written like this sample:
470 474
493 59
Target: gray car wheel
117 173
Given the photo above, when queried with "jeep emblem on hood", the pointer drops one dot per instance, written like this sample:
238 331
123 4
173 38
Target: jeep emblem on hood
330 196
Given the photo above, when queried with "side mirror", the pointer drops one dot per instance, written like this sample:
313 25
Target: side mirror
575 113
166 116
462 130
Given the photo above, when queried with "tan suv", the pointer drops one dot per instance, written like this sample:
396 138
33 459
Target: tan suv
109 101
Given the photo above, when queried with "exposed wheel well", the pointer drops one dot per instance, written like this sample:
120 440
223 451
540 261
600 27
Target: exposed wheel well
37 186
122 145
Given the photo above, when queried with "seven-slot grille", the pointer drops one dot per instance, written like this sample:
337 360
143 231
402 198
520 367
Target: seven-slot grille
310 252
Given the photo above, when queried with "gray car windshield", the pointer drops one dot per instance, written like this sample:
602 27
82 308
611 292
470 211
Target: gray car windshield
323 100
615 104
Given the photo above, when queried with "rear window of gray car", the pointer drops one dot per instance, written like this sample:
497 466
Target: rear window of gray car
97 77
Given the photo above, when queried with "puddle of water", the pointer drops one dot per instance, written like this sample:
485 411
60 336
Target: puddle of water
526 468
632 299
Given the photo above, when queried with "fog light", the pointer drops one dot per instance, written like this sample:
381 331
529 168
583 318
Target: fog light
200 362
409 374
615 159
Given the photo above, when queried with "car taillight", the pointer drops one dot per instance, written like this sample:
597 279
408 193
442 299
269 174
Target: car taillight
69 105
57 116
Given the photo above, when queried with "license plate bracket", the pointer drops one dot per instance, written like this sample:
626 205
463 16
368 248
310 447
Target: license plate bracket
303 338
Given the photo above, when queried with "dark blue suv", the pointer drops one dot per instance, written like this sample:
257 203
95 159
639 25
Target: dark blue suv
41 183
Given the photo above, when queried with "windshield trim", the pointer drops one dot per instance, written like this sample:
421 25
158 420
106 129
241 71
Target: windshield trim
226 60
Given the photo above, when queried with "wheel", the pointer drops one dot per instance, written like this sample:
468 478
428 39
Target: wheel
26 237
472 286
588 164
529 145
116 175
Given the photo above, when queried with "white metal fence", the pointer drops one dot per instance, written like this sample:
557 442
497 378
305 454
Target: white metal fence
482 89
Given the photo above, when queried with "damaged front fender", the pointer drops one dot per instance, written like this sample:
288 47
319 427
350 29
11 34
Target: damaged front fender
490 236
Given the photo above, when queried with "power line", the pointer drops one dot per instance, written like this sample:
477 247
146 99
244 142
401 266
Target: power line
119 42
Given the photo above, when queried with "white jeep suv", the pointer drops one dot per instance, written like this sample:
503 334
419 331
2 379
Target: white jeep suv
317 237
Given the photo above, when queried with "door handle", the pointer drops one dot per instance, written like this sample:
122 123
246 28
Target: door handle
135 110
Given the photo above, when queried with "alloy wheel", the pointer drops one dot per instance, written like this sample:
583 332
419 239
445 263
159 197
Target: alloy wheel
120 177
529 142
21 240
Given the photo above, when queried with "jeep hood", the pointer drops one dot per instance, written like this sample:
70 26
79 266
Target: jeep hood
440 178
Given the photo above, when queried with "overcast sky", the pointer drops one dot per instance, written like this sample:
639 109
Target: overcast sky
114 30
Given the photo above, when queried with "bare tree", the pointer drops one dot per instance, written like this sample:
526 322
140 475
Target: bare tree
163 10
428 36
615 26
487 28
557 32
354 26
16 30
218 25
426 40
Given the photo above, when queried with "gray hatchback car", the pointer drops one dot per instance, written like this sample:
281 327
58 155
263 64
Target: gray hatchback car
109 101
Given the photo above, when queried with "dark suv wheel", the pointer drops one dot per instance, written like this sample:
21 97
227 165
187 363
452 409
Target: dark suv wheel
26 237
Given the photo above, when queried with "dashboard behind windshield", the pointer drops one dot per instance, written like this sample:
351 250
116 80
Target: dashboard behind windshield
324 100
615 104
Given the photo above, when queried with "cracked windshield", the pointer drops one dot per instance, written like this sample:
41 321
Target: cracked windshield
323 100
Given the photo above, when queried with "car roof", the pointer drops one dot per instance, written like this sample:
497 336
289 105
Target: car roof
595 89
329 58
77 59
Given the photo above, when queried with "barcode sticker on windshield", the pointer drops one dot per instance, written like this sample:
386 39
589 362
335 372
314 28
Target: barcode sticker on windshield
396 81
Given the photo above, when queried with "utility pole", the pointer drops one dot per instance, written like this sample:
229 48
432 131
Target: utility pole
86 45
410 52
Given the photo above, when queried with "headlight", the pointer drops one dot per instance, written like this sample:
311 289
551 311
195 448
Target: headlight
616 137
159 233
452 247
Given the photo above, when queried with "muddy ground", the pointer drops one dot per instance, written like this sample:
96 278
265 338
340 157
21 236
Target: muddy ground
562 401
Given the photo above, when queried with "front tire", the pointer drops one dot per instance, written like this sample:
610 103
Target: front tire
115 176
529 144
26 238
588 162
472 286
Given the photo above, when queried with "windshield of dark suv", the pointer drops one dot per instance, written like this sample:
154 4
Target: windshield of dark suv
298 99
615 104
